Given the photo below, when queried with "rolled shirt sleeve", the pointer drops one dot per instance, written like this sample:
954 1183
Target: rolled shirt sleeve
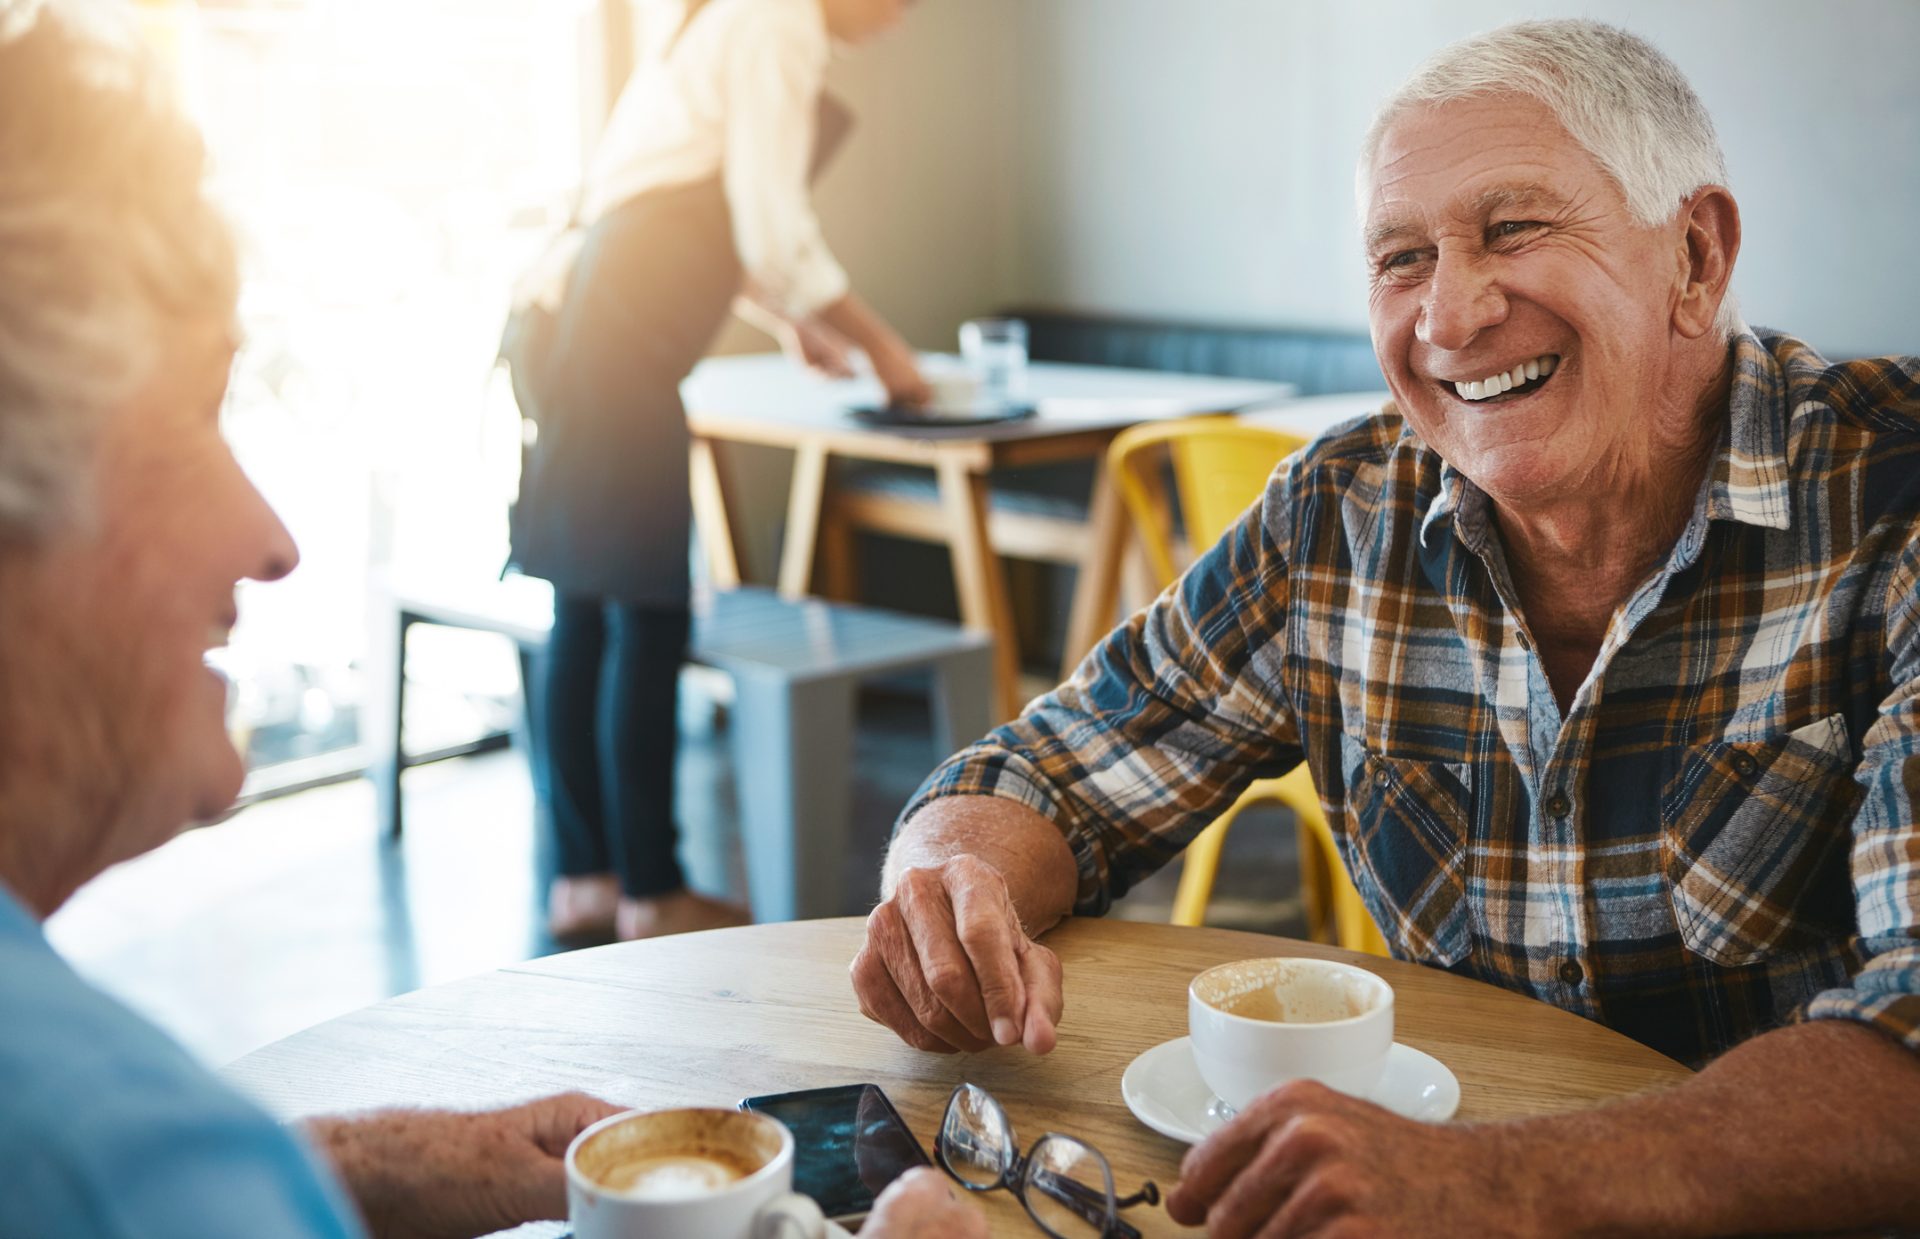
1162 726
772 82
1885 994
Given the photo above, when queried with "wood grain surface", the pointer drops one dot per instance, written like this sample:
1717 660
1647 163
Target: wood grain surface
710 1018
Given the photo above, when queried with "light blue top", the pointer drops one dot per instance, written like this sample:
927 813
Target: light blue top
109 1130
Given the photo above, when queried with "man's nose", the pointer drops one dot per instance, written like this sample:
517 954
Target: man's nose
1463 299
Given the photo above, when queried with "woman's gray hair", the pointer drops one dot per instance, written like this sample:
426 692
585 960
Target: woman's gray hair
105 234
1617 95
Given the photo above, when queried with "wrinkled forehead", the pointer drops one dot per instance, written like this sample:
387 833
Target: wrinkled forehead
1466 158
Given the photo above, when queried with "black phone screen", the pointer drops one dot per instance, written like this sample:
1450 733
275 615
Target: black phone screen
848 1144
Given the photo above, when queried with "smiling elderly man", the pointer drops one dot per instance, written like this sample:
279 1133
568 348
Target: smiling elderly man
1602 644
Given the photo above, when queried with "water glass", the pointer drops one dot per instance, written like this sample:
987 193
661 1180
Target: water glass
995 350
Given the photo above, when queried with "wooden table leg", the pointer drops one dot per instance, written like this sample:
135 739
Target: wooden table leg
1096 592
710 514
978 577
803 519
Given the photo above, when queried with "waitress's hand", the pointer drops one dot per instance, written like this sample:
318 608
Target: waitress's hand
898 371
818 347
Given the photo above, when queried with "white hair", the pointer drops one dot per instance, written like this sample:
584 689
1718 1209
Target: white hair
1616 94
105 234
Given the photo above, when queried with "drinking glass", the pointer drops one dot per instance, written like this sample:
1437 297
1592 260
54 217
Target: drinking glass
995 350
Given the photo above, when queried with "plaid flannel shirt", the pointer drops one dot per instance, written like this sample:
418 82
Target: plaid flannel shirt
1719 837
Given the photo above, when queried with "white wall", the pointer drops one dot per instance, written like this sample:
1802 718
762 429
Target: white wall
1195 157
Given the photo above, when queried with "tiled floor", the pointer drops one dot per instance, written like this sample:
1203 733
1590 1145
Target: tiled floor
295 911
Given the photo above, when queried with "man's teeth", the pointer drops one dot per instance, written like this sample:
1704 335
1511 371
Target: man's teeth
1494 384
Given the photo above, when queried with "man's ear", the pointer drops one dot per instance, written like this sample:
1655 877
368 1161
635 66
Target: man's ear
1712 241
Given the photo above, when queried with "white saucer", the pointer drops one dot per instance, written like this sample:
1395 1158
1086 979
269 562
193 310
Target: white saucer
1164 1090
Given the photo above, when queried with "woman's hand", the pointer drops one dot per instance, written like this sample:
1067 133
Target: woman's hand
899 372
818 347
919 1205
439 1174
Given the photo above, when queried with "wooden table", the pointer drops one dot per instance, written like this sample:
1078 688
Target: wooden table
707 1019
764 399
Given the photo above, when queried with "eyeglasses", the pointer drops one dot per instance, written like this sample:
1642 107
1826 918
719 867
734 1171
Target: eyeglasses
1065 1184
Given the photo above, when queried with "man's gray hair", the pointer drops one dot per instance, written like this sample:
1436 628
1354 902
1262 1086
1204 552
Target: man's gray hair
1617 95
105 234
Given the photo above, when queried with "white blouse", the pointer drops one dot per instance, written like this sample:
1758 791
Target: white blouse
733 96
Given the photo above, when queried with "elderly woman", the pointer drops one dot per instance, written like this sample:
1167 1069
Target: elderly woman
125 524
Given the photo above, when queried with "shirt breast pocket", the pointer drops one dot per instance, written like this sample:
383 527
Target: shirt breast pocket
1407 849
1756 836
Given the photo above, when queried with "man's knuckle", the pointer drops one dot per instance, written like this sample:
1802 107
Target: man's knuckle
949 979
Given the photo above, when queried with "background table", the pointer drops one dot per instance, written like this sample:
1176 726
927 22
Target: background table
765 399
706 1019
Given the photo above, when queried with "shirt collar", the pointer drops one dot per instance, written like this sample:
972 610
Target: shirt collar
1748 481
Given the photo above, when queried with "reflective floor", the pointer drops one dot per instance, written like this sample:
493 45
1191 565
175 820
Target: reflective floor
294 911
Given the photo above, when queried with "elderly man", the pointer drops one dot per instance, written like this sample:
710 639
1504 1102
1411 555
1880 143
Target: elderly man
1602 644
125 523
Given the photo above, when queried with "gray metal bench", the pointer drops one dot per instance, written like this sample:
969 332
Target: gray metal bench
795 665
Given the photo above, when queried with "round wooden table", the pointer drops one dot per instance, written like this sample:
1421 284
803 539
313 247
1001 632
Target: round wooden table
709 1018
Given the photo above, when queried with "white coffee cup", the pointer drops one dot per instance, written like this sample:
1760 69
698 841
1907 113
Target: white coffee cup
952 391
688 1174
1258 1023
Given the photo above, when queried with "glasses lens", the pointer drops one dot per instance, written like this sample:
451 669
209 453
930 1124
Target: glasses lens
976 1138
1069 1189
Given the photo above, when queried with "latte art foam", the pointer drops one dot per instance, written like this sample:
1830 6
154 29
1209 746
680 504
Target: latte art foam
675 1176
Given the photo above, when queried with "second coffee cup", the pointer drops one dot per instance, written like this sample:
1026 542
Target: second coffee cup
1258 1023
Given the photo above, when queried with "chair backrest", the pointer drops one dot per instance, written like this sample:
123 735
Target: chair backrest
1220 465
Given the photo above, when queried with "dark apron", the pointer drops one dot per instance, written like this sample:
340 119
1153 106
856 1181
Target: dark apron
604 509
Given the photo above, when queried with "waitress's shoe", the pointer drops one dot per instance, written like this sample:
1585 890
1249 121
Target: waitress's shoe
583 910
680 912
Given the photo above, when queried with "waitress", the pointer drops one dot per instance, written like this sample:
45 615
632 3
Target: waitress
697 196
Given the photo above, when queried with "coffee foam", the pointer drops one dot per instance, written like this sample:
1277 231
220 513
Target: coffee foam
675 1176
674 1154
1282 991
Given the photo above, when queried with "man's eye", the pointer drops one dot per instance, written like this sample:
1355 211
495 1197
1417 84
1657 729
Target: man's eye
1509 228
1405 258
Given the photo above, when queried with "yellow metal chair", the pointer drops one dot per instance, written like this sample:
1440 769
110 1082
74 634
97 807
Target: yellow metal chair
1220 465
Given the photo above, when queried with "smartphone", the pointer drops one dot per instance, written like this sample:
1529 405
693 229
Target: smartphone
848 1144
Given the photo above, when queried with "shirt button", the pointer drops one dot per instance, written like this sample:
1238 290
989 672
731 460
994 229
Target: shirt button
1571 972
1381 777
1744 765
1559 805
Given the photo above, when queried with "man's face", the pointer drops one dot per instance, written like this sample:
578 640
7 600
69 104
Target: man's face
1495 242
110 619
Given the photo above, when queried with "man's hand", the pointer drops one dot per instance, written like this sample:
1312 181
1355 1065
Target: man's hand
1305 1160
948 966
919 1205
437 1174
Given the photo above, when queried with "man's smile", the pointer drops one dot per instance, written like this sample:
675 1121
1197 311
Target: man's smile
1516 383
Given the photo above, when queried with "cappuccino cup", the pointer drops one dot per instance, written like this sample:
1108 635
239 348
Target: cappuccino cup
688 1174
1258 1023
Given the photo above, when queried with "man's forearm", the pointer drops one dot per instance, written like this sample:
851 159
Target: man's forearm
1027 849
1814 1127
